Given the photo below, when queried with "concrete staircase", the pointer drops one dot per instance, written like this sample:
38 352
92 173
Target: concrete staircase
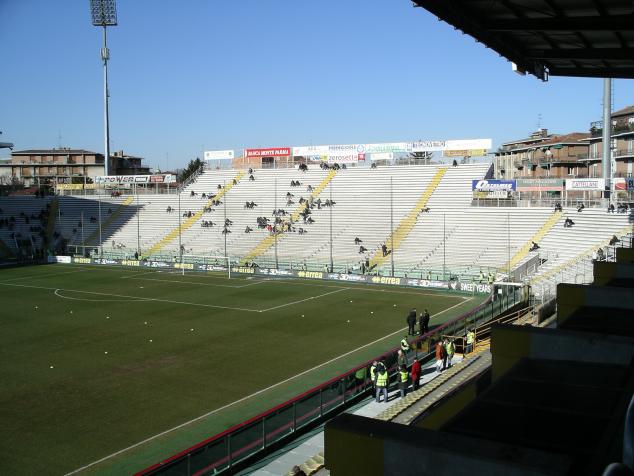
407 224
537 237
104 226
196 216
268 241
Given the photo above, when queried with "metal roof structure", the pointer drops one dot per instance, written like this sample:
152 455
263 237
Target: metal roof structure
586 38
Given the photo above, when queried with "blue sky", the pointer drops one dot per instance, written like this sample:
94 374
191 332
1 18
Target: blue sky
210 74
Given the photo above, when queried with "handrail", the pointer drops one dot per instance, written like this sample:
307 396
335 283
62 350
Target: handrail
224 459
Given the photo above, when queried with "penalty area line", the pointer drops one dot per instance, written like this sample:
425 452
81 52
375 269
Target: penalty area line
255 394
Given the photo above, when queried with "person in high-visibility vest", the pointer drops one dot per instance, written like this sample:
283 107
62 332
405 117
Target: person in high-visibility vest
470 341
450 348
382 381
403 380
373 369
404 344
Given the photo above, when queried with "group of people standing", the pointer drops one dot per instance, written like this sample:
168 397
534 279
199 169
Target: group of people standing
423 322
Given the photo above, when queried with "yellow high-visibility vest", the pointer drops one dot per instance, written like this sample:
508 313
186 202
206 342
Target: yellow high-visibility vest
404 375
470 337
381 380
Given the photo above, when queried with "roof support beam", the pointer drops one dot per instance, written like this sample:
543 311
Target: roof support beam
608 23
593 72
582 53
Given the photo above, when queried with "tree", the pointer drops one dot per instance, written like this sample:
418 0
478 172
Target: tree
191 168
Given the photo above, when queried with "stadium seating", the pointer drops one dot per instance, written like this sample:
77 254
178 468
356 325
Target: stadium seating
370 203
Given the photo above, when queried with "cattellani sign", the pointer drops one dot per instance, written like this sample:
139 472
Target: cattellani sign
270 152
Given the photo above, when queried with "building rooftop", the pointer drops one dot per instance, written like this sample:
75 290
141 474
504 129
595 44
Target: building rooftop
55 152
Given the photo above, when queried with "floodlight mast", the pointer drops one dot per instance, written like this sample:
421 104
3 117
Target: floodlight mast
104 14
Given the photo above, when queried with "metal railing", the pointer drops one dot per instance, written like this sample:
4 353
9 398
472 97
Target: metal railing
222 452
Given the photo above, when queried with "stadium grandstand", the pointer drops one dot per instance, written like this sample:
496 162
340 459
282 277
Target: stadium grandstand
467 244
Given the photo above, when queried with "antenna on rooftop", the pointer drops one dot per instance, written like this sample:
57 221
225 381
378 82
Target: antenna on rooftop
539 121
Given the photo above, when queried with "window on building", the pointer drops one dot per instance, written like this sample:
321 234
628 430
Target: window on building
572 170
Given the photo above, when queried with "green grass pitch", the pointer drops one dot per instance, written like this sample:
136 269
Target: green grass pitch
94 360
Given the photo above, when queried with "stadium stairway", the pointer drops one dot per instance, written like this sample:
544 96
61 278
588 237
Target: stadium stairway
268 241
109 221
537 237
52 217
407 224
192 220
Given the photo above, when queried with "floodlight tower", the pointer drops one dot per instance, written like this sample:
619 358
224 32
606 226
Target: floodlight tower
104 14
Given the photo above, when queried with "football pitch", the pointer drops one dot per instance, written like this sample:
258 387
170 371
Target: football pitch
111 369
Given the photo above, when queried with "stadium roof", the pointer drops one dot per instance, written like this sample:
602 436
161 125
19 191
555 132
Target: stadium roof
589 38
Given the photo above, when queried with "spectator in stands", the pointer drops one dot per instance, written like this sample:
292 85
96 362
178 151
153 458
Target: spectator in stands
219 187
611 208
384 249
357 240
251 178
534 246
382 382
225 230
235 182
309 188
558 207
250 170
362 249
580 208
289 202
568 222
614 240
600 254
424 322
403 380
455 163
228 222
411 321
491 278
416 369
440 356
248 229
621 208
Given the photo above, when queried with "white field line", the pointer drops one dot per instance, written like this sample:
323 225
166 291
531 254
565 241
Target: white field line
95 300
255 394
304 300
45 275
140 298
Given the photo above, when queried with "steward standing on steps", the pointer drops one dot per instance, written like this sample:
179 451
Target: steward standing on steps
470 341
403 378
373 369
404 344
382 381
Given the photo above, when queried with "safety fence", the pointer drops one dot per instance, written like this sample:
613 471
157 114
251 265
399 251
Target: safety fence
247 440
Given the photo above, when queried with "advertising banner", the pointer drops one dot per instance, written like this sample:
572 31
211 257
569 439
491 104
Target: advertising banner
310 151
492 185
543 185
382 156
428 146
585 184
630 183
269 152
141 179
493 194
285 273
464 153
468 144
69 186
388 147
343 157
219 155
620 183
